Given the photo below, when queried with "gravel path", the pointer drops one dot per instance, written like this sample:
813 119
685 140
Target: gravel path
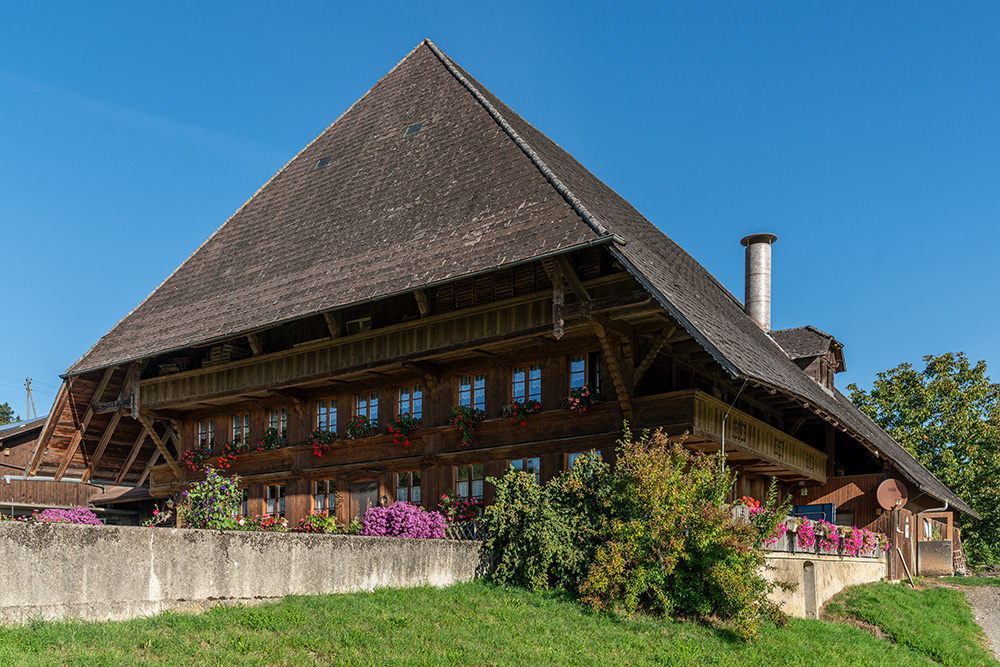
985 601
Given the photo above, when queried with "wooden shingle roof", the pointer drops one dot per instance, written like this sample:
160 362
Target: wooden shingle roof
476 188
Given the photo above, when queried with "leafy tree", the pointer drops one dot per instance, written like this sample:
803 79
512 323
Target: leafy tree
948 416
7 415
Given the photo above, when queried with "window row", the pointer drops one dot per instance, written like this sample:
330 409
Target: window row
525 384
468 480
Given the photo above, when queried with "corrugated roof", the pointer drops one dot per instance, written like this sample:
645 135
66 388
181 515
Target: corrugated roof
478 187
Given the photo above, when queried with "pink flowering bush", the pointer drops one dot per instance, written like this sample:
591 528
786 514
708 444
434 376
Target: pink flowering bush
78 515
829 537
806 535
403 520
853 542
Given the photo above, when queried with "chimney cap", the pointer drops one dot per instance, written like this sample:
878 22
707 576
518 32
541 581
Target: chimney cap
758 238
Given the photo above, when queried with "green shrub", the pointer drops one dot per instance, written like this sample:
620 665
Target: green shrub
547 536
671 546
654 534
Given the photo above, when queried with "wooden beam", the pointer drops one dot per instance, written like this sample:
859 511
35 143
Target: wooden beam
569 275
147 423
650 357
584 308
131 456
101 446
558 301
611 358
74 442
623 329
333 324
42 444
422 302
149 466
255 346
112 406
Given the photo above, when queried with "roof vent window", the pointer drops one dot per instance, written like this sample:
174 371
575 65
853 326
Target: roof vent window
413 129
322 162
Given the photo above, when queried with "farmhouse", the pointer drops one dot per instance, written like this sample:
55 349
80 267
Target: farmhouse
431 254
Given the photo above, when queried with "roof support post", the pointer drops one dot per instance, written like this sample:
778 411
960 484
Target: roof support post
74 443
612 353
422 302
147 424
131 456
332 324
101 446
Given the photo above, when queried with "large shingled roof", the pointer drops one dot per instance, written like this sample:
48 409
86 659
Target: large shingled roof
476 188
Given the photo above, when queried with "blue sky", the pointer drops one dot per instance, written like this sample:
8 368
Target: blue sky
866 138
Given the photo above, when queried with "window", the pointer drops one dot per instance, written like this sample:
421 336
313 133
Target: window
408 486
359 325
278 420
571 459
275 500
242 510
530 466
585 369
241 429
206 434
411 400
526 383
469 481
472 391
326 415
325 497
367 406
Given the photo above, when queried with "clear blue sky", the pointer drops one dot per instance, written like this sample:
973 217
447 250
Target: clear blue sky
865 135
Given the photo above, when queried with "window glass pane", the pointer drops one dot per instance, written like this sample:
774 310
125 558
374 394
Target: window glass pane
462 489
402 480
415 477
477 489
480 392
463 473
477 471
465 391
535 382
517 385
418 401
321 415
404 399
373 407
415 494
517 464
401 494
577 372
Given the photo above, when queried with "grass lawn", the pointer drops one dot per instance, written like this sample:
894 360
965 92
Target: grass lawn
972 581
476 624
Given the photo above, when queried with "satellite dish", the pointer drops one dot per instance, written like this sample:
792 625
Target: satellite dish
891 494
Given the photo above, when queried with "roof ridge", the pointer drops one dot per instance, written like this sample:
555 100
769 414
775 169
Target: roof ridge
237 211
574 201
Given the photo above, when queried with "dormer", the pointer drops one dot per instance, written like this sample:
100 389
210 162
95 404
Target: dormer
816 352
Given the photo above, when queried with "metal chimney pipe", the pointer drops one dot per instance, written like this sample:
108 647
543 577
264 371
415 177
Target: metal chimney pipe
758 278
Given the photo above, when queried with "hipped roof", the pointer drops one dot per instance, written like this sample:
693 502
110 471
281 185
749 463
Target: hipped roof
476 188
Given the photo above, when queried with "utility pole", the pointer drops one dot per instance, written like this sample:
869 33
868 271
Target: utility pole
31 401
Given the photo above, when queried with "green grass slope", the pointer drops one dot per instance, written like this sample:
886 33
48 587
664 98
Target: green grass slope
476 624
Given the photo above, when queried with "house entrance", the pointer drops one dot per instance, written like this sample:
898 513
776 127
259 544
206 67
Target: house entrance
363 496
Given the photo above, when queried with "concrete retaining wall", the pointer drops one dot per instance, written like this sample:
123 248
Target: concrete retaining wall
114 572
818 578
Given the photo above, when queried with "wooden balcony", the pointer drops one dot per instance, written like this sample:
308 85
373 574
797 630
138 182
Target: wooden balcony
750 443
